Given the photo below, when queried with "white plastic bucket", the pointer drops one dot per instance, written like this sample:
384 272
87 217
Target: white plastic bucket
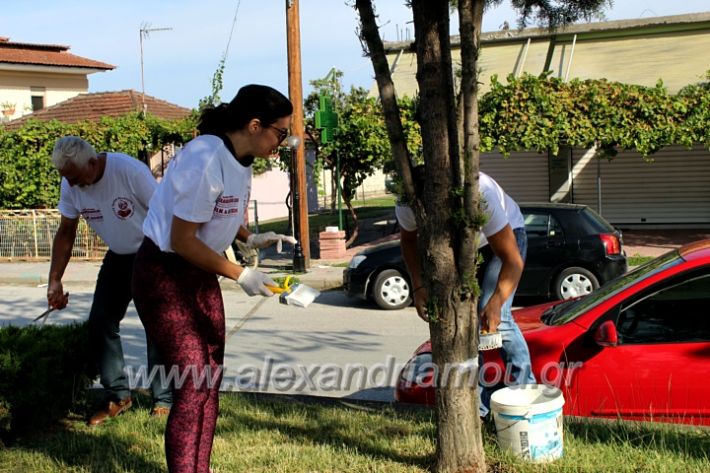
528 421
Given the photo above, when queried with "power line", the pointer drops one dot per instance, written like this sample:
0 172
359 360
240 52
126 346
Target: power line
231 32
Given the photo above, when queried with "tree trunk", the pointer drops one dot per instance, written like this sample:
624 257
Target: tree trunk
445 243
445 210
356 225
334 189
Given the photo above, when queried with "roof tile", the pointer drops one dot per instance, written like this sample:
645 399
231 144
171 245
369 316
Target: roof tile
45 55
93 106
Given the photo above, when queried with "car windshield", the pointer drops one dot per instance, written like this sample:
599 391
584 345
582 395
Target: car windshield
570 310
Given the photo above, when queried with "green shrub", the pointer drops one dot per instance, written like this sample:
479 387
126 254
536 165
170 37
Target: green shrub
28 179
43 374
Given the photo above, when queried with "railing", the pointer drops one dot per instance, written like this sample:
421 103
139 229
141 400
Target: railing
28 235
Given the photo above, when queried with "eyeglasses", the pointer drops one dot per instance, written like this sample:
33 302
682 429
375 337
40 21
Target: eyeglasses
282 132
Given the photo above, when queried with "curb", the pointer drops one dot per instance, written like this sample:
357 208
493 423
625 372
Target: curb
320 283
31 280
321 275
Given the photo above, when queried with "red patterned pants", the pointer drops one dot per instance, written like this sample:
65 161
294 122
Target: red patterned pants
182 311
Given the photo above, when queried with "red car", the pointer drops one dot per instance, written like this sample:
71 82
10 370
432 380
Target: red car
637 348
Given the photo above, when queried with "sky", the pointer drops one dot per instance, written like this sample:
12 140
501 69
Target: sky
179 63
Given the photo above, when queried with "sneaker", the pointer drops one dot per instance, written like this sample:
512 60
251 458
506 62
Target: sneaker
160 411
113 409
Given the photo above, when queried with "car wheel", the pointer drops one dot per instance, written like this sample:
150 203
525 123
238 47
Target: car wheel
575 282
391 290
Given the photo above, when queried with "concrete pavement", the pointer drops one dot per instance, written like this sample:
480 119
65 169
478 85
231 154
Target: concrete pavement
650 242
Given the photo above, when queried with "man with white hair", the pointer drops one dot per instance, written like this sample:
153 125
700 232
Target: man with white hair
111 191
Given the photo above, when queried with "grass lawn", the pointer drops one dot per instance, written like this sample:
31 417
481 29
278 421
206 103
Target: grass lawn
371 208
638 260
274 435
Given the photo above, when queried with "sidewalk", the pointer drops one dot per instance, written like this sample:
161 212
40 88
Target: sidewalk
657 242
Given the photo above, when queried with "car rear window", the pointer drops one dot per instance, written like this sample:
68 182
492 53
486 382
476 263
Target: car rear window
595 223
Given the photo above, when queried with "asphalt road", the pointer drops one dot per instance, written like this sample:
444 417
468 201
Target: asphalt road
337 347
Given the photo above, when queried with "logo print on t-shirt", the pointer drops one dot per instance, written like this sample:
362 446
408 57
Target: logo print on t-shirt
92 214
123 208
226 206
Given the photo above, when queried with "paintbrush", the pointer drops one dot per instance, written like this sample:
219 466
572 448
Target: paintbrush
298 294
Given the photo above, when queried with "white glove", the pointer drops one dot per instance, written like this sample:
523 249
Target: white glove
262 240
254 282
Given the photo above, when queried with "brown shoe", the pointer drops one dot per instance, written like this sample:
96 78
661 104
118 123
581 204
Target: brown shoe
160 411
112 410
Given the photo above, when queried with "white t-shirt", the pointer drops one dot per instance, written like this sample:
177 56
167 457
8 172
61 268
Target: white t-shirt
116 205
204 184
499 207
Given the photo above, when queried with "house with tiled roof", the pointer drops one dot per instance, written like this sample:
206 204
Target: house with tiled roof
36 76
93 106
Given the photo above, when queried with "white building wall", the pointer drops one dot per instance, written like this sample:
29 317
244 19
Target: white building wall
372 185
16 87
269 190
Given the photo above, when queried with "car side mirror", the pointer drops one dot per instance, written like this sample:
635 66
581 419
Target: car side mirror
606 335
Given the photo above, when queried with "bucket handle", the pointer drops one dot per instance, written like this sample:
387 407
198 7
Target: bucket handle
525 417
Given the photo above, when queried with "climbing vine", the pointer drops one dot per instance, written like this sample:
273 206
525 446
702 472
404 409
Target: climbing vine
542 113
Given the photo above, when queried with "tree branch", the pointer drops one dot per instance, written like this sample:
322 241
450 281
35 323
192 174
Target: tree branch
375 50
470 19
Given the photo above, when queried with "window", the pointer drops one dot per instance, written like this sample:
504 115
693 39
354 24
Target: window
37 97
676 313
536 224
542 224
37 102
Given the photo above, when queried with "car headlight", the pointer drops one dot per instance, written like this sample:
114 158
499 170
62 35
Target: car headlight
355 262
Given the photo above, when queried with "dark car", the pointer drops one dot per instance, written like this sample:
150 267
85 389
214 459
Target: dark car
572 250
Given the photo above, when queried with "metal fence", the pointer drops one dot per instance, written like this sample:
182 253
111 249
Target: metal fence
28 235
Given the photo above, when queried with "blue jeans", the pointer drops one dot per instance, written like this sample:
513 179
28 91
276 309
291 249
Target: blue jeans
111 299
514 352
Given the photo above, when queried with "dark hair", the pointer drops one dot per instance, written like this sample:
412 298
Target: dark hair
252 101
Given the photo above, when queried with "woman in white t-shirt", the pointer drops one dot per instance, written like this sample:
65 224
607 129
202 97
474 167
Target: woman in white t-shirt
194 215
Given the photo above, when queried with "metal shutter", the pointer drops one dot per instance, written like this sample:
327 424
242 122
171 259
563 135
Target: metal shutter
523 175
673 189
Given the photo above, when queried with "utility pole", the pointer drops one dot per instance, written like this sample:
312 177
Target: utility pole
295 91
145 32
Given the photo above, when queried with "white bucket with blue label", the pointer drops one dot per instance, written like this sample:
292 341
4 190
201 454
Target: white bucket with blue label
528 421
